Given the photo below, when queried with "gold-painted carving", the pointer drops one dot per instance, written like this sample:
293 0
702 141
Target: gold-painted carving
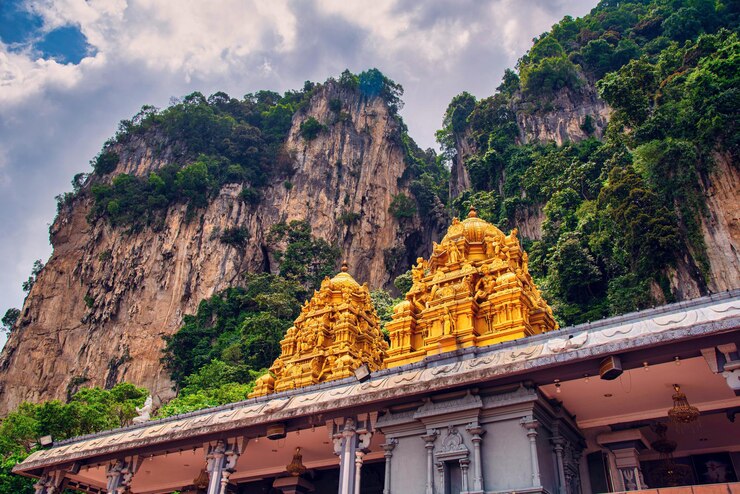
336 332
475 290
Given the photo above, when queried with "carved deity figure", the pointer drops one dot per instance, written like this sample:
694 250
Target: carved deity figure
448 325
490 252
454 254
485 285
417 272
145 412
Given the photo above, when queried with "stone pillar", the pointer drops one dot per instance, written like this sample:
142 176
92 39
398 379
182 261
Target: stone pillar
558 446
628 464
221 458
358 470
429 445
388 447
464 463
476 432
442 472
626 446
530 425
120 473
349 439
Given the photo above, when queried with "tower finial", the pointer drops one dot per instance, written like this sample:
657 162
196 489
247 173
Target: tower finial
472 213
345 266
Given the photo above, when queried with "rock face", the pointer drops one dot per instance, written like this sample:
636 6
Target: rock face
570 116
564 120
98 311
721 226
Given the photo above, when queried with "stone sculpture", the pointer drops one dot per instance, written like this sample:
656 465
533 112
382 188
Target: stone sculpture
145 412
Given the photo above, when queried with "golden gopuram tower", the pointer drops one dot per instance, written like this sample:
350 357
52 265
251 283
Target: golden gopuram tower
475 290
336 332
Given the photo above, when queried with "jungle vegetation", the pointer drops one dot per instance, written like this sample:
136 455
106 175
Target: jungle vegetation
622 210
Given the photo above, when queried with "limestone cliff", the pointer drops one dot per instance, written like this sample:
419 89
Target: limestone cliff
571 115
100 307
563 119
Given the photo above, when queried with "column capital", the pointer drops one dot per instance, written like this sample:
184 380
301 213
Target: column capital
430 438
529 423
475 430
389 445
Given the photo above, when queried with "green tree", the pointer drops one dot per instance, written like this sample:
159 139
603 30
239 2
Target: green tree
302 257
226 327
402 206
10 318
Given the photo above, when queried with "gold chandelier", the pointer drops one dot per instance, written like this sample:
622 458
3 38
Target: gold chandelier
682 412
296 467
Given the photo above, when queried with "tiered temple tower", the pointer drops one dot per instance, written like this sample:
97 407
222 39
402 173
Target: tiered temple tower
336 332
475 290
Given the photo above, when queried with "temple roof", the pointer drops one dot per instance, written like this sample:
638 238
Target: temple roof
474 290
336 332
666 325
473 228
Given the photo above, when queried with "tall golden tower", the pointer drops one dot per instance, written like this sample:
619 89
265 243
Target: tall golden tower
475 290
336 332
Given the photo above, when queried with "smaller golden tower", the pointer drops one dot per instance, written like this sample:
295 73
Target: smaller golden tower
336 332
475 290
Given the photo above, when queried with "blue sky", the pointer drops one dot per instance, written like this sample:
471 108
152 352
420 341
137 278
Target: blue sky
21 28
70 70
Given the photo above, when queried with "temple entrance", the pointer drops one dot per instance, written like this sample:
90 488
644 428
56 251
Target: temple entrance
324 481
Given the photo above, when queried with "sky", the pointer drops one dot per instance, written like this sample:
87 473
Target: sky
70 70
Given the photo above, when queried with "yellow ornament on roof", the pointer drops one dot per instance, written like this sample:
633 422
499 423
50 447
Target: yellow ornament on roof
336 332
474 290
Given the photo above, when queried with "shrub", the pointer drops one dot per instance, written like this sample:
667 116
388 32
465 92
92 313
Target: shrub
105 162
335 105
236 236
402 206
251 196
311 128
348 217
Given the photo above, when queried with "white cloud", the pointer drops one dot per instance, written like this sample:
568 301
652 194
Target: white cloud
54 117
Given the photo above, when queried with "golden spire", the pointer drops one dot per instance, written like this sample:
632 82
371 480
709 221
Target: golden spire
474 290
336 332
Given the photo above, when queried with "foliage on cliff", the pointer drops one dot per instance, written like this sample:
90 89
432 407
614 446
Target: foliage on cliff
618 212
89 410
218 140
232 338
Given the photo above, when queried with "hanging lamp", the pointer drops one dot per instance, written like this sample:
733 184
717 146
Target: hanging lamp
682 412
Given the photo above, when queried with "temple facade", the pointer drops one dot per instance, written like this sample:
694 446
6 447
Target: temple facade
478 392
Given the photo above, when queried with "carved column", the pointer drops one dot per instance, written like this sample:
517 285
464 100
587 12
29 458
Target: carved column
358 470
349 439
221 458
120 473
441 471
530 424
429 445
388 453
464 464
628 464
476 432
558 445
626 446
